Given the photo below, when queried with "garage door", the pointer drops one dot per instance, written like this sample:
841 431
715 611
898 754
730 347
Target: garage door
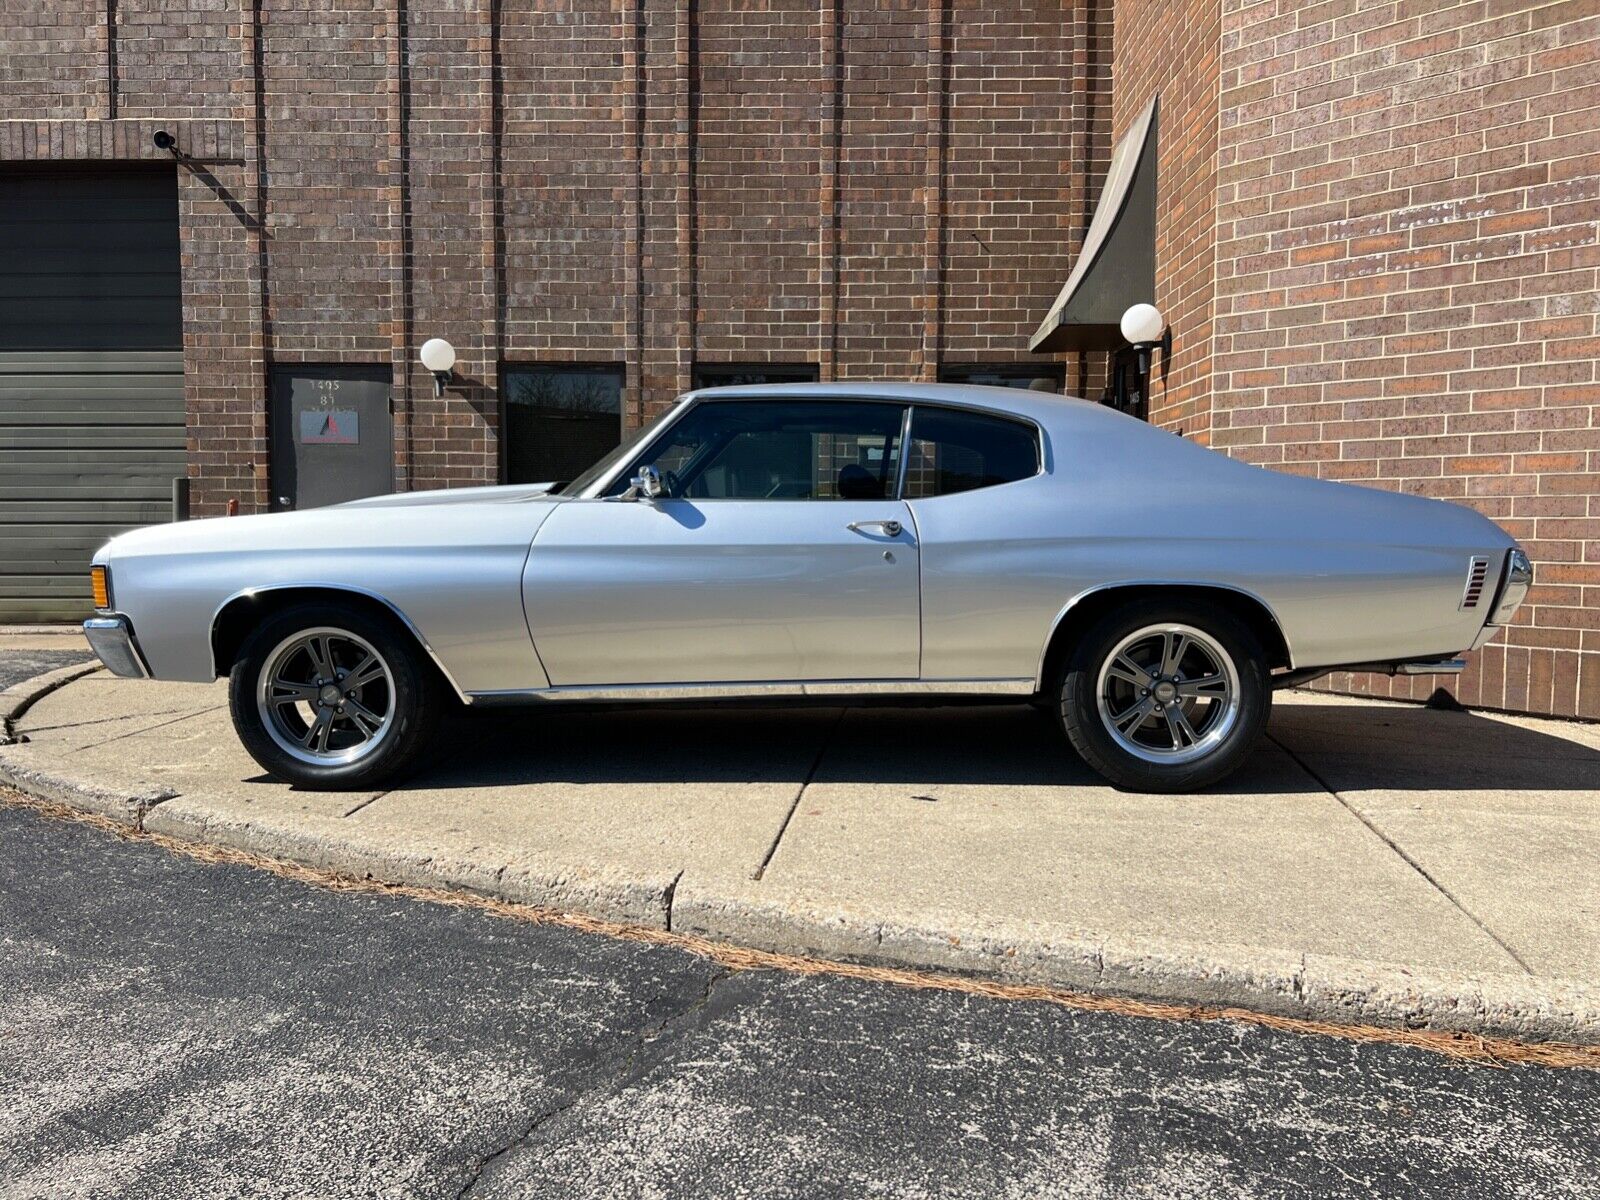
91 375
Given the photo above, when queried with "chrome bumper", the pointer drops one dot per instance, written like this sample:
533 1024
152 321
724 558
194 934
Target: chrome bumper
1514 585
111 638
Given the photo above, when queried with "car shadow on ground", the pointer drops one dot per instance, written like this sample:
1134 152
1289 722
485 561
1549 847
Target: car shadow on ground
1309 747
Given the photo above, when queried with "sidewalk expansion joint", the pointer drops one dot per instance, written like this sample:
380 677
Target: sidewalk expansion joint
188 716
1404 856
816 763
352 811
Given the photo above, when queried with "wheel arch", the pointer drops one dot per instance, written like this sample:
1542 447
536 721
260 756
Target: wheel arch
242 611
1089 606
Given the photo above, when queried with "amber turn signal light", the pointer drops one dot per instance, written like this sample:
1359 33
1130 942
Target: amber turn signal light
100 580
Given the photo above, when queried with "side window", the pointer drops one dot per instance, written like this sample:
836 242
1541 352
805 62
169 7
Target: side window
781 450
956 451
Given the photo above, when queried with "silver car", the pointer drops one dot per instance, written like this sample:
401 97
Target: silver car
805 541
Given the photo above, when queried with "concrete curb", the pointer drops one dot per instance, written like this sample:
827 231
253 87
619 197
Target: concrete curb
20 697
1284 983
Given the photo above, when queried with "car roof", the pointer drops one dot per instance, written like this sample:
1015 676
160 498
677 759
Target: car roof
1037 406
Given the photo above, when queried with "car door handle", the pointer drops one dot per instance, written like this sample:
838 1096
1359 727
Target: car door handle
890 528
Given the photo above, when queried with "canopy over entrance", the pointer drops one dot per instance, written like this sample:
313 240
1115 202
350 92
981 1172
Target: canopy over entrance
1117 266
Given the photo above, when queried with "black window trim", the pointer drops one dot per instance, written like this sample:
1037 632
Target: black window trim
601 487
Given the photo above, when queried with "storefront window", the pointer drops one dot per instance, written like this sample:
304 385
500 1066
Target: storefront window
559 419
749 374
1038 377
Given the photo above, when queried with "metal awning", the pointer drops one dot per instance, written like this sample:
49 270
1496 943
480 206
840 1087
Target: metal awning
1116 267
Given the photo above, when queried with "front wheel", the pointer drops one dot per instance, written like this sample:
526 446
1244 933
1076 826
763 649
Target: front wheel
1166 696
330 696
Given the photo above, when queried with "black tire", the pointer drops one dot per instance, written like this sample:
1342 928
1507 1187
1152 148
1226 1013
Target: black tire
412 696
1224 732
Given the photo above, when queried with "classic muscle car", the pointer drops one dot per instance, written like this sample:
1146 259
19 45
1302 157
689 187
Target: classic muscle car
804 541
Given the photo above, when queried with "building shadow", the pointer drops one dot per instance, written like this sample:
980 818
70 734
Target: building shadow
1310 748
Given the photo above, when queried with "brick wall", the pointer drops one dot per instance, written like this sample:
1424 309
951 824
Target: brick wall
1173 49
868 187
1377 220
1406 285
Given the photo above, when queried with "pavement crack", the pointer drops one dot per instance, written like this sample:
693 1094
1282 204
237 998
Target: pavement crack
668 897
1403 855
811 774
642 1051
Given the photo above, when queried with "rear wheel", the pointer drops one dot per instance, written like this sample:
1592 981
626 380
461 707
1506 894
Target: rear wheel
333 696
1166 696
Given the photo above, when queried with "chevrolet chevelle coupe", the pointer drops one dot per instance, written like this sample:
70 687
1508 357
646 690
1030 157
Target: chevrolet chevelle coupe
843 540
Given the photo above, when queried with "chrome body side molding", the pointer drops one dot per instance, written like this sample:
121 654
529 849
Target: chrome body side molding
759 690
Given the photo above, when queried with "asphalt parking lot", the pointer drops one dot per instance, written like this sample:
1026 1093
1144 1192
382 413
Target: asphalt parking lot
175 1028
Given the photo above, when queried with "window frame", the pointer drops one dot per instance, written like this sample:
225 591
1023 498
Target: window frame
625 470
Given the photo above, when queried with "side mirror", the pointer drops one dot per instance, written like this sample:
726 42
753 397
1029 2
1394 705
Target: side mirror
646 485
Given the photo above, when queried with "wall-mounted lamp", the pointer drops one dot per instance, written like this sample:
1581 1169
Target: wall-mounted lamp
165 141
438 356
1145 328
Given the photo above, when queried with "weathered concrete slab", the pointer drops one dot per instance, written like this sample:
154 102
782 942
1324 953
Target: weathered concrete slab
1442 879
985 814
1504 812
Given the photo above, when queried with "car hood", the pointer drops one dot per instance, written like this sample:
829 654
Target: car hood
416 519
470 495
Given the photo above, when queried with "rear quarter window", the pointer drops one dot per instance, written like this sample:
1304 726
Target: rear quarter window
955 451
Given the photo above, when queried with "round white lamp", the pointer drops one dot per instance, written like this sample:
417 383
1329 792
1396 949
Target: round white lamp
1142 325
438 356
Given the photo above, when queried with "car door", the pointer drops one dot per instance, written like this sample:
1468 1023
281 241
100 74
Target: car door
779 551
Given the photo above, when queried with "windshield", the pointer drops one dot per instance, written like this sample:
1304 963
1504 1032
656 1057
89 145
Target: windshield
578 486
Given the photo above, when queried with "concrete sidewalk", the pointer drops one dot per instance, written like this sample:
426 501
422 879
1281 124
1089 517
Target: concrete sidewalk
1376 861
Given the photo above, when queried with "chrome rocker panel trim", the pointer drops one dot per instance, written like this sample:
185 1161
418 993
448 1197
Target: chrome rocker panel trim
760 690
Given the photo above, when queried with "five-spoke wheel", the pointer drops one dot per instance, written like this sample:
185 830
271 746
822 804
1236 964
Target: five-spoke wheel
326 696
1165 695
333 696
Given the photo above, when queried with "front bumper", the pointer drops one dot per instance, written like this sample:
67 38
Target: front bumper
111 638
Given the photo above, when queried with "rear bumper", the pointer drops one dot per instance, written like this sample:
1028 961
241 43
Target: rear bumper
111 638
1515 580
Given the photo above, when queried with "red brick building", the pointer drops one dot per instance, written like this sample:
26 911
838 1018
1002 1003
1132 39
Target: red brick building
1375 241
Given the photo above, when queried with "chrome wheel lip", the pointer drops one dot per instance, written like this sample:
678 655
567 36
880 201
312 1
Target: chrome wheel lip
1218 728
283 737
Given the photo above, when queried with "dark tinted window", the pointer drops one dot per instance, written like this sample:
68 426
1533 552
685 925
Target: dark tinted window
956 451
559 420
780 450
745 374
1036 376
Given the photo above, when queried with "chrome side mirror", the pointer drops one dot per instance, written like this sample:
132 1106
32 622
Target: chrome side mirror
646 485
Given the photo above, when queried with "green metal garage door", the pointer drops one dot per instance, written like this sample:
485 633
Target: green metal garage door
91 374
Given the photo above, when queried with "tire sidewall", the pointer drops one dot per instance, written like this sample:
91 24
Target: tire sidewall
412 697
1079 708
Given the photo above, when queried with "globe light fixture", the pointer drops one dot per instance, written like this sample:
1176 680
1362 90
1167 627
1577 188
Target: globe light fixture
1145 328
1143 325
439 357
